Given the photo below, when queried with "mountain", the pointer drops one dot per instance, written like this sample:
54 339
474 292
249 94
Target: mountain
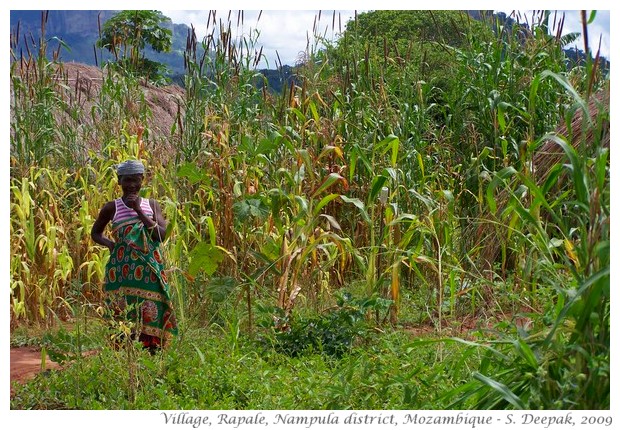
78 30
61 22
73 34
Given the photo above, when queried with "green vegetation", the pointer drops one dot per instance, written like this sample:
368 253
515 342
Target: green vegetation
127 33
372 237
207 370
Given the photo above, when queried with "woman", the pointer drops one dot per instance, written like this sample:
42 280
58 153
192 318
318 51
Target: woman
135 282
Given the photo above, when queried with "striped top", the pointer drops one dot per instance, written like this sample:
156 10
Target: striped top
123 213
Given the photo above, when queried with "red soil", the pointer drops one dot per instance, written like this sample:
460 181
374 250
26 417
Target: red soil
26 363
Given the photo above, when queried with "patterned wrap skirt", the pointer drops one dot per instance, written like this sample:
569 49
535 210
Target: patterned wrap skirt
136 286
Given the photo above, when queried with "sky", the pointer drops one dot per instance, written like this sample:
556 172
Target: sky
287 33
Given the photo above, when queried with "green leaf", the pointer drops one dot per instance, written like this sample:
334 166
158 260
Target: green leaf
602 274
300 116
358 204
315 114
500 117
503 390
324 201
328 182
250 208
354 156
219 288
377 184
149 364
266 146
302 204
357 154
391 172
211 226
447 194
200 354
552 178
205 257
500 177
592 16
420 164
526 352
191 172
305 156
563 81
578 175
390 142
601 168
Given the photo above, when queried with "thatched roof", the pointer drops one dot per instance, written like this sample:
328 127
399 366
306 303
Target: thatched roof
583 134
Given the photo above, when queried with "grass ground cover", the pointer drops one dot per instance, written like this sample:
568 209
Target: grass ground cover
310 230
203 371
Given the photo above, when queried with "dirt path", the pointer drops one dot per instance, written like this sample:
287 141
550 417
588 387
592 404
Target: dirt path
26 363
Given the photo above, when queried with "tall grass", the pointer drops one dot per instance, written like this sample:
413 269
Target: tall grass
365 172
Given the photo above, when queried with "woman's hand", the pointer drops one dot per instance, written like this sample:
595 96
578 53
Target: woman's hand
133 202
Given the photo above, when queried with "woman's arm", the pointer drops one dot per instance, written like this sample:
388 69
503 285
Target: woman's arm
105 216
156 225
158 231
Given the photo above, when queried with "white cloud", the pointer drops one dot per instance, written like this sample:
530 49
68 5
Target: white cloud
288 33
598 30
283 33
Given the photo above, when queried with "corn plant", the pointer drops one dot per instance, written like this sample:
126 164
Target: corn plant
368 170
565 219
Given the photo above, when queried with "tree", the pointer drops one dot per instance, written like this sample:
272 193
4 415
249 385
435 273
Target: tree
127 33
423 38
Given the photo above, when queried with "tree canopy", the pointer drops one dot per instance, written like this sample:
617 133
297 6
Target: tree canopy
422 37
127 33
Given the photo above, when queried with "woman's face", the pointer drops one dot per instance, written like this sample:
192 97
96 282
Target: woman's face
130 184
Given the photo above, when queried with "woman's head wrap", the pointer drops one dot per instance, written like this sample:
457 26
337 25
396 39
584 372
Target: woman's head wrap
130 167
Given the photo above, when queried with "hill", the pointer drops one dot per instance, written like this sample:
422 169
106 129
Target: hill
83 84
72 35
